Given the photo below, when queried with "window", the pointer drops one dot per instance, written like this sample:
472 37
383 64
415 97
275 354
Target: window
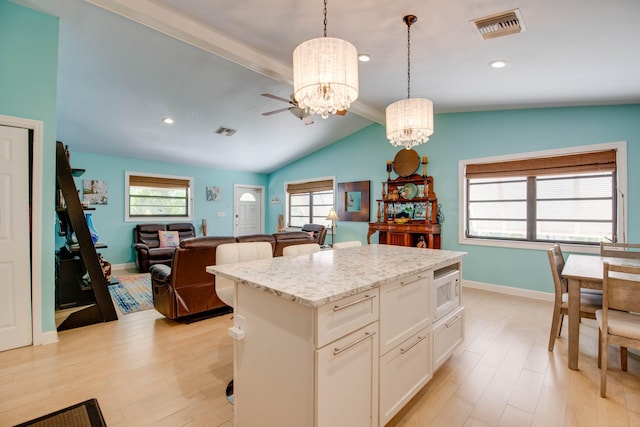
309 202
157 197
569 198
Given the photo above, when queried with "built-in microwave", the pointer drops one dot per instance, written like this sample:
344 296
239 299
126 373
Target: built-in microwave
446 292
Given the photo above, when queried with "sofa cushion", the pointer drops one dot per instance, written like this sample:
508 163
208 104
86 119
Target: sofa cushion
168 239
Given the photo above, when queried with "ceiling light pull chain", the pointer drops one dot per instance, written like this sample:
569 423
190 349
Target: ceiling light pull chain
408 59
324 11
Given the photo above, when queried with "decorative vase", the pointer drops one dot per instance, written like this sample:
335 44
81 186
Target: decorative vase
92 229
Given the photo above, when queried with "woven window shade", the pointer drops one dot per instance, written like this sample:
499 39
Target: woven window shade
310 187
157 182
601 161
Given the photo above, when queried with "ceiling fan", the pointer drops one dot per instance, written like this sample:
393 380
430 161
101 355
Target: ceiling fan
294 109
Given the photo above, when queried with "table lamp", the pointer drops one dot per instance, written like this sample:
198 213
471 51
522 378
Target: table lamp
333 216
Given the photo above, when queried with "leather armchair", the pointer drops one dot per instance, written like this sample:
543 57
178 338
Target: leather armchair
290 238
319 232
186 288
147 243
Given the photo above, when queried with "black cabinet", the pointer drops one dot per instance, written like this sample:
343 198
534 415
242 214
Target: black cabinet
71 290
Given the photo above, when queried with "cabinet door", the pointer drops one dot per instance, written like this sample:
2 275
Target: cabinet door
347 380
403 372
405 308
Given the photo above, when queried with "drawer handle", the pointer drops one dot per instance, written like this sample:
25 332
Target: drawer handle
404 350
458 317
340 307
402 283
337 351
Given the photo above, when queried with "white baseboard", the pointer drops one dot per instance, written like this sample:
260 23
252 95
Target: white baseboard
508 290
46 338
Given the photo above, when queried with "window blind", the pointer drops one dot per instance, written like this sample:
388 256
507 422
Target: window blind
310 186
157 182
600 161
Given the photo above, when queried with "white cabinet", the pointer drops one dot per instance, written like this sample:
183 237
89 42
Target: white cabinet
347 380
447 335
403 372
405 306
354 361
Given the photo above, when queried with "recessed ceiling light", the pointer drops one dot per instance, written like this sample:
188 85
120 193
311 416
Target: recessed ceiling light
498 63
364 57
167 120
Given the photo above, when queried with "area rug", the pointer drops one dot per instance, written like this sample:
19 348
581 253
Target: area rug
132 293
85 414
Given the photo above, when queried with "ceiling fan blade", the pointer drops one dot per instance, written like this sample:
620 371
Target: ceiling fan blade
268 95
268 113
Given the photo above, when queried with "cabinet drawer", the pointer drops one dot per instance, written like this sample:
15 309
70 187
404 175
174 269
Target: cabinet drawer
403 372
406 308
448 334
342 317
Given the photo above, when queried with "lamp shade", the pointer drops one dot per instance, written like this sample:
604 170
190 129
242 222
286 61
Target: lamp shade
325 75
409 122
332 215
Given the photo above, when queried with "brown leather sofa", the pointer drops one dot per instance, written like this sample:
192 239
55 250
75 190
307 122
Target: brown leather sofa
146 243
186 289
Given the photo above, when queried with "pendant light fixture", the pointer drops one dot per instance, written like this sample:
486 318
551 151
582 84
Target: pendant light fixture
325 74
409 121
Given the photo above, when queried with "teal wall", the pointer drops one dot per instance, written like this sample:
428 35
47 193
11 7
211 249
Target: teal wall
28 89
28 75
461 136
109 219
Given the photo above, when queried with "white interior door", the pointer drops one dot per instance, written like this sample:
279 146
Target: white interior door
248 202
15 267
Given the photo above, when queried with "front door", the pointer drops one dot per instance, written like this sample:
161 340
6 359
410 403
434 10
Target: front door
248 210
15 267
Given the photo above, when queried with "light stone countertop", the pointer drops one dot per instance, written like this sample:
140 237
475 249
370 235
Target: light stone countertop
316 279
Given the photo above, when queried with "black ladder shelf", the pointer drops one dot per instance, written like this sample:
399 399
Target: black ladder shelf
103 310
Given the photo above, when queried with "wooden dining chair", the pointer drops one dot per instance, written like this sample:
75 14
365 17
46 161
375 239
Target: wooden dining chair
589 302
619 318
620 250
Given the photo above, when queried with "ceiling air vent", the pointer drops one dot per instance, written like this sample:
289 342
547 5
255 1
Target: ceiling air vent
500 24
225 131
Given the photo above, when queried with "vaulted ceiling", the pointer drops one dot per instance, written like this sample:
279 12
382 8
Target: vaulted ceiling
124 65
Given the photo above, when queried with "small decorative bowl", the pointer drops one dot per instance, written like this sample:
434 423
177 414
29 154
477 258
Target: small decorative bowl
401 220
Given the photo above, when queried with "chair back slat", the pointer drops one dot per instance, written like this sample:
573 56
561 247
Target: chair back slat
621 287
620 250
556 262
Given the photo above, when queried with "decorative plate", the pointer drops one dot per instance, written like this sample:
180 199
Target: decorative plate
409 191
406 162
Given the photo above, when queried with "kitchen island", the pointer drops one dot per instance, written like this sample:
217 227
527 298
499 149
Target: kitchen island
340 337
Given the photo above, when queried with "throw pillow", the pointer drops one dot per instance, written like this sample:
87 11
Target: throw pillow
169 239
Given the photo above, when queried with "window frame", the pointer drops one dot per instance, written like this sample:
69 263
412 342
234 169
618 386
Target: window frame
621 207
140 219
288 199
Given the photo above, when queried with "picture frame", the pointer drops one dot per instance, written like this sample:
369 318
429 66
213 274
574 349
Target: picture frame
214 194
353 201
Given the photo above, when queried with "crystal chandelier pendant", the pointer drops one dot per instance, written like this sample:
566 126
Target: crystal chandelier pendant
325 74
409 122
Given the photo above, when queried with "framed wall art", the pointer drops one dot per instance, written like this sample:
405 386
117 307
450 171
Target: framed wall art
353 201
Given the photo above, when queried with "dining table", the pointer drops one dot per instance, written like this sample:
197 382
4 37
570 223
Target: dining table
584 271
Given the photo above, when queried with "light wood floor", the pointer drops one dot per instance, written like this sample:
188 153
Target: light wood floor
147 370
